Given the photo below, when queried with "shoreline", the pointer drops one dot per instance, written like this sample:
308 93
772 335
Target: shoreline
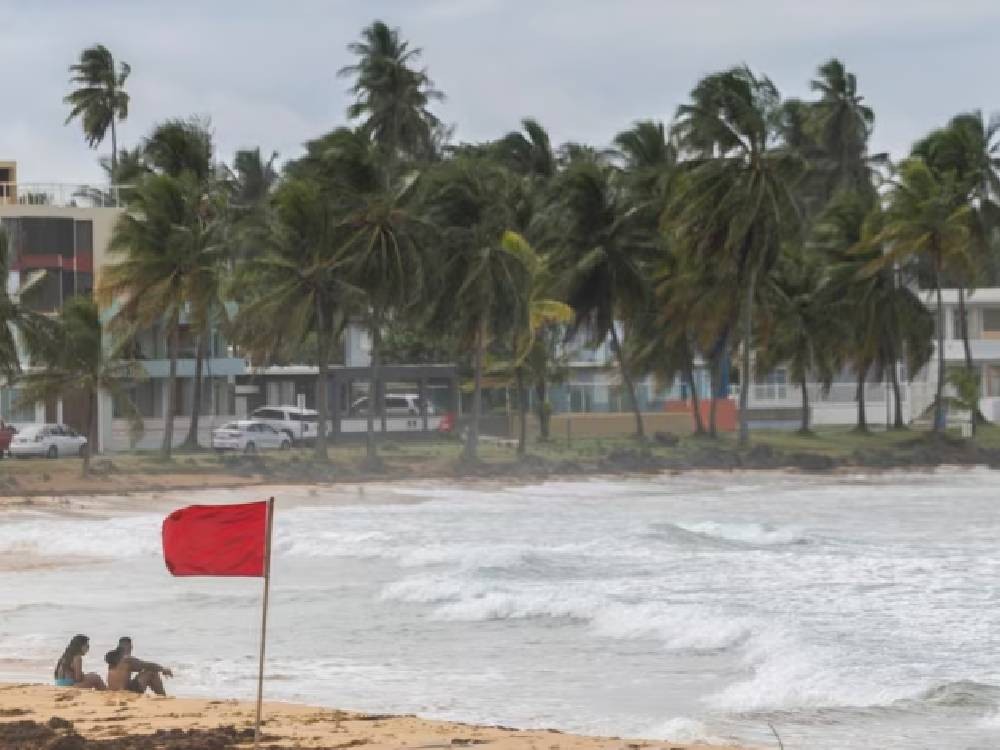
50 482
37 717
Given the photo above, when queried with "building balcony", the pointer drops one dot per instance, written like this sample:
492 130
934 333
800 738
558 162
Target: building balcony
61 194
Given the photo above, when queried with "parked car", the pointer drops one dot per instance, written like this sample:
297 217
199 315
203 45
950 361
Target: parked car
396 405
297 423
48 440
7 433
249 436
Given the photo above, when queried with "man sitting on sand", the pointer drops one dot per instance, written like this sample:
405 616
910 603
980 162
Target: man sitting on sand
121 666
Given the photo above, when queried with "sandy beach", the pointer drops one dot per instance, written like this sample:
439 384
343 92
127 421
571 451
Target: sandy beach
37 717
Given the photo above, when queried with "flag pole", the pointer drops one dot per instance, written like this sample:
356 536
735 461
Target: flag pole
263 618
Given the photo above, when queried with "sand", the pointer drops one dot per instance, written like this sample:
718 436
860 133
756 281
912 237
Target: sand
123 721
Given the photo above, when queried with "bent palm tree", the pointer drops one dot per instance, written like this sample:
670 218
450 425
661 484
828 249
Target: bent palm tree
100 98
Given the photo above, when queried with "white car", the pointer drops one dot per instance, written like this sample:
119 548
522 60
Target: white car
396 405
298 424
48 440
249 436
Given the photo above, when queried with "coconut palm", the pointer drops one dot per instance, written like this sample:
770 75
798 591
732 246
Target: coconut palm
528 152
383 247
100 99
738 204
14 318
542 313
295 289
485 284
800 329
843 124
923 220
600 246
69 354
159 250
391 95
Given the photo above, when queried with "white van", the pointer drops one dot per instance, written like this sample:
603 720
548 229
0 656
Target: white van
299 424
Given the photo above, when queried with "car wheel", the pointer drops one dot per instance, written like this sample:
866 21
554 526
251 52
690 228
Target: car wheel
286 444
52 452
291 437
250 449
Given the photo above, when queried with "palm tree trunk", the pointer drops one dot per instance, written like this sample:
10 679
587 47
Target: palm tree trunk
522 413
744 440
375 372
91 430
699 424
114 154
804 429
713 431
629 385
170 407
862 425
939 417
963 327
322 359
191 441
897 397
472 439
541 391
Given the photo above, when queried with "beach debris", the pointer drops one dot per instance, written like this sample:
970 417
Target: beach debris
57 722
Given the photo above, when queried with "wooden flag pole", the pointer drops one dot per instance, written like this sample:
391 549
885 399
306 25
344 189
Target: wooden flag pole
263 618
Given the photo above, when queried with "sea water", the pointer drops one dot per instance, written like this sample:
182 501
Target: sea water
846 611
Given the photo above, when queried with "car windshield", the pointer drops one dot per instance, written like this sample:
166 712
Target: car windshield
231 426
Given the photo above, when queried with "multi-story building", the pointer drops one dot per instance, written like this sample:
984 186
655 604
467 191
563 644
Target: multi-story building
58 237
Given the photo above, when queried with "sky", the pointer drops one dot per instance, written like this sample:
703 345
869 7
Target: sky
265 73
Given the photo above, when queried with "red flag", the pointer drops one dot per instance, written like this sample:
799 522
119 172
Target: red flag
216 540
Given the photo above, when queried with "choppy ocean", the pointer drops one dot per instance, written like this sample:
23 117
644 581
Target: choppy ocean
847 611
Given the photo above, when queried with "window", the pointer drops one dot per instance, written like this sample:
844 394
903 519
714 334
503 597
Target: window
269 414
991 321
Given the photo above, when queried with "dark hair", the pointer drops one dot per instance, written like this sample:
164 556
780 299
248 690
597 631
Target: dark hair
74 649
123 640
113 657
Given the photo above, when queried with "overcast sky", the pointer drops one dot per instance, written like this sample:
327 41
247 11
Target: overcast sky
265 72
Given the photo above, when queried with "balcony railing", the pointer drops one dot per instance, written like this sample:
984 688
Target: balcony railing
61 194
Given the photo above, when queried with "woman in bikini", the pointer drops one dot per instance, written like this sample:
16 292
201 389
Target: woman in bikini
69 668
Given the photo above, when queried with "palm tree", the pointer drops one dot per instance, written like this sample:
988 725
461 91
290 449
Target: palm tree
600 246
382 254
844 124
69 354
486 283
100 98
160 249
543 312
295 288
799 330
184 147
392 96
14 318
738 204
922 221
528 153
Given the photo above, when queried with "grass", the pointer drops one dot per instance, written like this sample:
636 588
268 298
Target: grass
431 458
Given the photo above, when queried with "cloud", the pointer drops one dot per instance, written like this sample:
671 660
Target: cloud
266 72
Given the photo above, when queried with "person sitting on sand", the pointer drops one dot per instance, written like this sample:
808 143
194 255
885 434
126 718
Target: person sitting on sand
69 668
121 666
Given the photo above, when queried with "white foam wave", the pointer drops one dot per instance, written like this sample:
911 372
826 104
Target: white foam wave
746 533
123 537
683 729
990 722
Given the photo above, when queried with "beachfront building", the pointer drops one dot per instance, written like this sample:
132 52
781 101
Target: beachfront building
58 237
777 402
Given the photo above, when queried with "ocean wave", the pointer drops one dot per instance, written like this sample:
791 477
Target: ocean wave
112 538
962 693
683 729
741 534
